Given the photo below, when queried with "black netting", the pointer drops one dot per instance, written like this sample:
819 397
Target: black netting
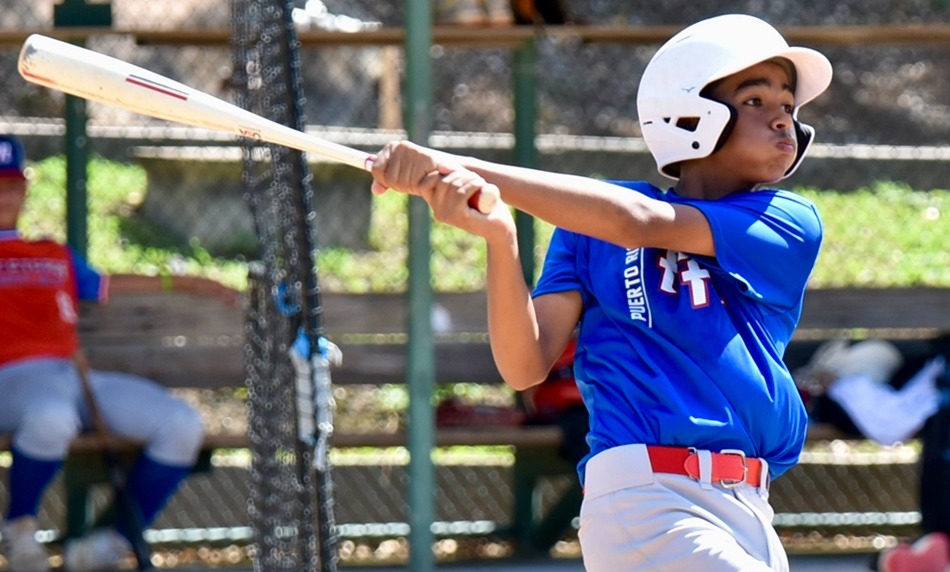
291 500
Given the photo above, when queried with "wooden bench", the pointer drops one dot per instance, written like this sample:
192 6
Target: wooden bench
181 341
191 342
188 342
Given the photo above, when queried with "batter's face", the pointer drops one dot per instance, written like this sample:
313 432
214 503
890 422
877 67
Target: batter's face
762 146
12 196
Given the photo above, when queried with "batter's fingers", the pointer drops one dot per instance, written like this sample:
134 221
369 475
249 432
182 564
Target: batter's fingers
377 188
403 165
428 187
485 196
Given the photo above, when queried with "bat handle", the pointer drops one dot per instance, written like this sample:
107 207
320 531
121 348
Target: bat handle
483 201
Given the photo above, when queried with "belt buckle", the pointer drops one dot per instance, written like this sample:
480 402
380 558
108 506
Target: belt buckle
731 484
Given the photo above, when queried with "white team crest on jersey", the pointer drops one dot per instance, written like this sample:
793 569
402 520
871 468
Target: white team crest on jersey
681 270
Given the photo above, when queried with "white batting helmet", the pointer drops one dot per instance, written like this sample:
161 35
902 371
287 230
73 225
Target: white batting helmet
678 123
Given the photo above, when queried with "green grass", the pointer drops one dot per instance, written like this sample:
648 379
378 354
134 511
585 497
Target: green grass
888 235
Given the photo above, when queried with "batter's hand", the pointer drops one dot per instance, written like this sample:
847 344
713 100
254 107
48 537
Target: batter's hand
404 166
449 193
409 168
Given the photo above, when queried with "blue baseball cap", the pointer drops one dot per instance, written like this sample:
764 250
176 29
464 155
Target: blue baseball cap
12 161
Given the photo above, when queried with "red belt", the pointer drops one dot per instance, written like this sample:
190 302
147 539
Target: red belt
729 468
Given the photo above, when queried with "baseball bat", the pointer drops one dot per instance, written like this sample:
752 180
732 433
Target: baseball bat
127 510
97 77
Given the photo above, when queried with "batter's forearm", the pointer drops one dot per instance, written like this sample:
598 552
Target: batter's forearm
579 204
512 323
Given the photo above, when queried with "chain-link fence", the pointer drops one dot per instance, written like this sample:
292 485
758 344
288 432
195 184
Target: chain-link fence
170 196
815 504
885 118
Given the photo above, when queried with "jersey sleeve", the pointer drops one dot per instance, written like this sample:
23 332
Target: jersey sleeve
766 240
568 255
90 284
559 273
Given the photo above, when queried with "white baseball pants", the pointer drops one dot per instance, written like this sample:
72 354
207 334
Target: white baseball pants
42 403
633 519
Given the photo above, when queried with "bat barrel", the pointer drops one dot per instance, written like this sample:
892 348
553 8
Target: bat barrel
97 77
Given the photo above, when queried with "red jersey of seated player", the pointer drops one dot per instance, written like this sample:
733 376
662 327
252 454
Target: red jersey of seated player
558 392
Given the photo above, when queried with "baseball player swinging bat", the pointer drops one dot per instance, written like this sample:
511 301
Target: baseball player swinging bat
97 77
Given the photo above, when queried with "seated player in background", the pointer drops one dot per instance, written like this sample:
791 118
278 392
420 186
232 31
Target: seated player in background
41 283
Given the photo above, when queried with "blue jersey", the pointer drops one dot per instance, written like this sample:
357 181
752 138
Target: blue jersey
683 350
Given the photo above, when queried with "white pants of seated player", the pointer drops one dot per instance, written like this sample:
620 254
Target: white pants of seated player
42 401
633 519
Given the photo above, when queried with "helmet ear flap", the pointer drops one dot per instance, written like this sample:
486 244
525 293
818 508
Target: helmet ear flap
805 135
684 128
727 129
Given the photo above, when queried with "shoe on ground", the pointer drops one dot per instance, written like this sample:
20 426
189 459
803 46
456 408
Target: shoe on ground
23 552
931 553
103 549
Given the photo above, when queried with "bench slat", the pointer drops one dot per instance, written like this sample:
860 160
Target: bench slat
181 340
879 308
177 314
454 362
210 367
519 436
155 316
204 367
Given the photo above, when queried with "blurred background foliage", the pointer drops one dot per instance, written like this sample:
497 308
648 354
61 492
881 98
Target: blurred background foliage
884 235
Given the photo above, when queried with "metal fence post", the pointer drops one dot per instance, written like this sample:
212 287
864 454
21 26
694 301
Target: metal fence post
526 154
77 160
421 351
74 14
